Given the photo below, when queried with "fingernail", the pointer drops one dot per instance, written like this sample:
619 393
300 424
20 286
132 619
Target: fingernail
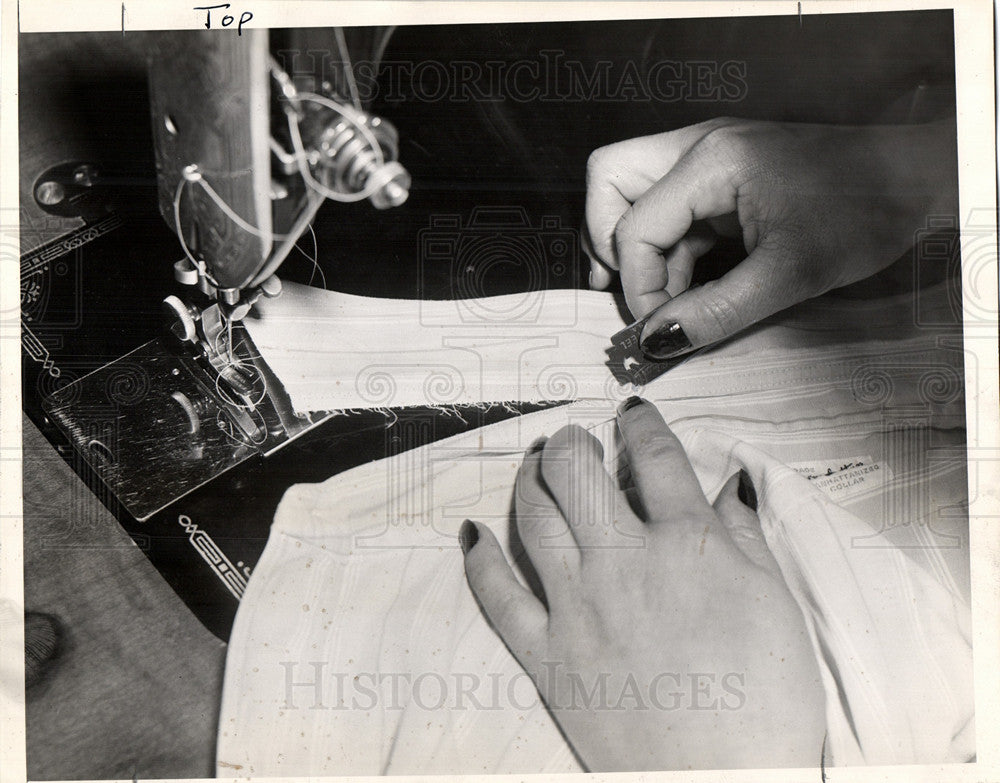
468 536
536 445
667 341
629 404
745 491
590 278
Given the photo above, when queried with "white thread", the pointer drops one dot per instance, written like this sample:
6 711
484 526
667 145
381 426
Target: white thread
348 114
315 200
352 85
193 175
199 265
318 187
380 48
314 260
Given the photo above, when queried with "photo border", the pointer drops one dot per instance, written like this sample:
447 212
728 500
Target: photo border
975 33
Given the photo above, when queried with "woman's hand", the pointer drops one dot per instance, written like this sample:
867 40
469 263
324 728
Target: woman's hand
664 642
817 206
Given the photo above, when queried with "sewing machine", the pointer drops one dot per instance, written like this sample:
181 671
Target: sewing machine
165 179
177 436
246 153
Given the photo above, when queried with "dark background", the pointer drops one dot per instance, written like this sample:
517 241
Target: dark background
83 97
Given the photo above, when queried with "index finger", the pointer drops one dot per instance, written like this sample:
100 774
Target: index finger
701 185
662 471
618 174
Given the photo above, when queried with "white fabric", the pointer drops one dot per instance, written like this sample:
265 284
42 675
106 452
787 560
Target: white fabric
336 351
362 576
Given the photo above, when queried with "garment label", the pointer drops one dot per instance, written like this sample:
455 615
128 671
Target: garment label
843 479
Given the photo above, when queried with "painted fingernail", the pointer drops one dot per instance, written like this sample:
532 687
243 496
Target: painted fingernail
745 491
666 342
468 536
629 404
538 444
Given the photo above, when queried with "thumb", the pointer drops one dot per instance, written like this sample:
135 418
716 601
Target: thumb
517 616
765 283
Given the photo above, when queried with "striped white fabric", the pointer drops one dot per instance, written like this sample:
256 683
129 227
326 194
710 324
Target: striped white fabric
359 649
